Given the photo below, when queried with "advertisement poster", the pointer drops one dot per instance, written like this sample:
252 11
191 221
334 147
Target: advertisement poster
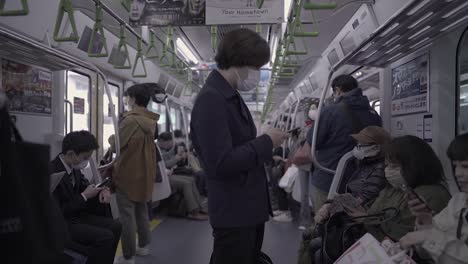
78 105
28 89
220 12
167 12
410 87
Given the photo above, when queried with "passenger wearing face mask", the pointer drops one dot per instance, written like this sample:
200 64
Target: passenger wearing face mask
349 112
89 223
224 135
444 236
135 170
412 168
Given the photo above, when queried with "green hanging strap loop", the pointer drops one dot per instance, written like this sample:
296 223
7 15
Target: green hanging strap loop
98 28
214 37
260 3
123 45
126 4
139 57
65 6
19 12
319 6
258 28
150 54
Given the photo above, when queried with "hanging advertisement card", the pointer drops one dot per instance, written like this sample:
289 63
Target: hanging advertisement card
167 12
29 89
219 12
410 87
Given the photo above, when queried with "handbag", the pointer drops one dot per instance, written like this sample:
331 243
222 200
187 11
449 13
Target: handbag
287 181
341 231
303 156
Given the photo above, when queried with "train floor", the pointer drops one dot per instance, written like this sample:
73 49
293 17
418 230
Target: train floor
181 241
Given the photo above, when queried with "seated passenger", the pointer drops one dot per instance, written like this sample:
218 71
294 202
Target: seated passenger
185 184
411 164
369 178
445 236
80 201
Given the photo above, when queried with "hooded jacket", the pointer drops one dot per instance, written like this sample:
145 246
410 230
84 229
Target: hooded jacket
135 169
334 133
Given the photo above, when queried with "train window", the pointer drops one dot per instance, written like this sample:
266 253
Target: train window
78 93
108 127
462 66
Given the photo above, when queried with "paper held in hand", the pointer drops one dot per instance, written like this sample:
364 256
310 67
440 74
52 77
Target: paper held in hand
369 250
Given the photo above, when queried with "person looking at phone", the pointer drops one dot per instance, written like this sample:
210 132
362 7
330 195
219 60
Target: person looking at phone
410 163
80 201
445 235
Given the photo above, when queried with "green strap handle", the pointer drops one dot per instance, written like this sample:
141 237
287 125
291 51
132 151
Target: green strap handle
139 57
65 6
260 3
126 4
123 45
20 12
319 6
214 37
98 28
150 54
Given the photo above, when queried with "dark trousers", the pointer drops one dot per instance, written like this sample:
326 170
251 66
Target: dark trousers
99 234
237 245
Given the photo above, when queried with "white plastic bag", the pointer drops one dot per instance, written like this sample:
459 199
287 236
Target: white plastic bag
161 190
287 181
369 250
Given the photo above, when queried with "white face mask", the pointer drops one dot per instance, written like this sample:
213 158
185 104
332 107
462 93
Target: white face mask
83 164
393 176
160 98
313 113
362 152
253 78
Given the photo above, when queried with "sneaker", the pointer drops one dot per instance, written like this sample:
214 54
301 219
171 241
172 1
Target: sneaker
142 251
122 260
284 218
302 228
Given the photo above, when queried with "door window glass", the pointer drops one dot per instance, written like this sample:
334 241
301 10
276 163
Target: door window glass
78 92
463 84
108 127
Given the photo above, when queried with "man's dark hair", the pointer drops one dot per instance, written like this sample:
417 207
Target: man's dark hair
346 83
79 142
419 163
458 148
178 133
144 92
165 136
242 47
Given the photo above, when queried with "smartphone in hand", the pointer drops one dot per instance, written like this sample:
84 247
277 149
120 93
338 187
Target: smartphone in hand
103 183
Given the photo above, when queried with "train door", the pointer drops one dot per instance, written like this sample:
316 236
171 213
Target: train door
78 99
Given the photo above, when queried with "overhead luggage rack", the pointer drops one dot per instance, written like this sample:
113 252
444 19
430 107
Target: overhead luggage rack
23 49
417 25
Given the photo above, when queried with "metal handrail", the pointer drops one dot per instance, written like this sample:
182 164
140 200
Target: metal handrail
71 116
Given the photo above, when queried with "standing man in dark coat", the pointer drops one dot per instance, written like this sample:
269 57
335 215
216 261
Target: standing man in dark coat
233 157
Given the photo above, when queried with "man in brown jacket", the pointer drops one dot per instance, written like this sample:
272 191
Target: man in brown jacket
135 171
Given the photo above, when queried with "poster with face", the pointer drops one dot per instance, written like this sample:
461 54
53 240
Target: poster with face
167 12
